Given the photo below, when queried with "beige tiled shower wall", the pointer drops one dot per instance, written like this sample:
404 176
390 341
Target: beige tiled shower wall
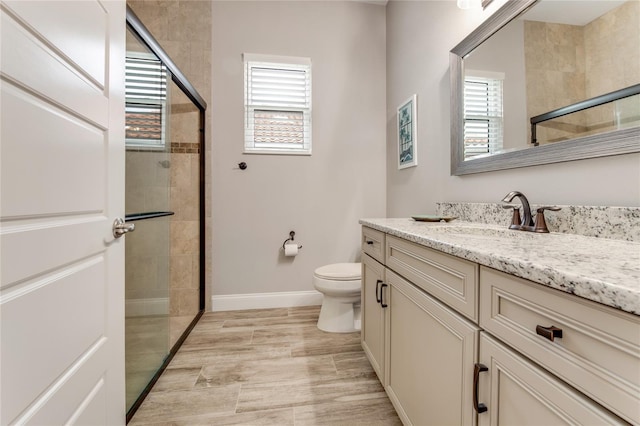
613 61
185 202
554 54
578 63
183 29
185 235
147 190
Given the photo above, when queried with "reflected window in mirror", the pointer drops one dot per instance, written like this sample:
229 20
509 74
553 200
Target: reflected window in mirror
483 112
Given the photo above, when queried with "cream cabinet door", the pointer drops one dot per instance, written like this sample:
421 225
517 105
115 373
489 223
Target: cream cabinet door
430 358
597 350
517 392
373 314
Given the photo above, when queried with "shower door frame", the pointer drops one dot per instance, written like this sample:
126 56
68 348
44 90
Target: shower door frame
137 27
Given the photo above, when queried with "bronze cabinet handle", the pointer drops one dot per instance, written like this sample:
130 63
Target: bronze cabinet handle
378 282
549 332
369 242
477 369
384 305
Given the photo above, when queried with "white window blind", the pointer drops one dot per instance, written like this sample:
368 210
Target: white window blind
146 101
483 116
277 105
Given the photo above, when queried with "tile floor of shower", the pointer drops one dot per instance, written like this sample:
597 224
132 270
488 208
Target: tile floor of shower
147 348
267 367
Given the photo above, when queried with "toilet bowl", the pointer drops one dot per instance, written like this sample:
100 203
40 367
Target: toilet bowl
340 285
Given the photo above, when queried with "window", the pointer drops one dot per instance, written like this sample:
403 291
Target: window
146 101
483 118
277 105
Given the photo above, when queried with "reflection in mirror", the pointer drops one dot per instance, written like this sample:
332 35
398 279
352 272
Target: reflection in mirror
541 63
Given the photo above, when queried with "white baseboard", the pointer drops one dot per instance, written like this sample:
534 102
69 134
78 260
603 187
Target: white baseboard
286 299
145 307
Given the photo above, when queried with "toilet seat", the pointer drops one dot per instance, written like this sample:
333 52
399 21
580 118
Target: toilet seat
340 285
339 272
338 279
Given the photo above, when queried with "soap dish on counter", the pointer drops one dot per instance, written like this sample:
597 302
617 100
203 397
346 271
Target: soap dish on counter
432 218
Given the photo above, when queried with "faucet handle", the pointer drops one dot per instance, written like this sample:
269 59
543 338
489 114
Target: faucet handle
515 219
552 208
541 224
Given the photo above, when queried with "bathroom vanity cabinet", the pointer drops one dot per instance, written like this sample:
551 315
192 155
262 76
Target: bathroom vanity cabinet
430 354
454 342
373 314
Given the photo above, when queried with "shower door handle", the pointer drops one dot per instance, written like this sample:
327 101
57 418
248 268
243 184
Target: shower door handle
120 227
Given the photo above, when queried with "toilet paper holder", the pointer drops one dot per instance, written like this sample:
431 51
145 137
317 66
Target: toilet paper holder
291 238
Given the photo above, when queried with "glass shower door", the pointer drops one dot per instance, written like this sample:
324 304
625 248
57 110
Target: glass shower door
148 173
164 283
185 256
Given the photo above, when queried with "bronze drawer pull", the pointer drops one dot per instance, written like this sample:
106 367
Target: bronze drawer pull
370 242
549 332
477 369
384 305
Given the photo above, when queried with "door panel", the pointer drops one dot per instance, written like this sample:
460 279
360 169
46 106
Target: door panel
35 246
91 411
76 391
52 185
73 91
78 30
62 185
83 282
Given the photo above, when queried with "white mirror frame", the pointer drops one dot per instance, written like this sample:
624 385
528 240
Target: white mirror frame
616 142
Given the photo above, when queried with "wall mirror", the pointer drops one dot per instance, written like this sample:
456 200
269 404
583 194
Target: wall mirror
572 66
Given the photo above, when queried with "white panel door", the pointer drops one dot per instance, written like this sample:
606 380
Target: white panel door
61 187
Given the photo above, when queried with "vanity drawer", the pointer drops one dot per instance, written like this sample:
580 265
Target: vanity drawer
598 353
452 280
373 243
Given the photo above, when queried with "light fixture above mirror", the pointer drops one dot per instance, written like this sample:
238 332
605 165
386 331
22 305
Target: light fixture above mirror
469 4
473 4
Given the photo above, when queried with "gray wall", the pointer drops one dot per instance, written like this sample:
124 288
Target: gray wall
504 52
321 196
419 37
354 124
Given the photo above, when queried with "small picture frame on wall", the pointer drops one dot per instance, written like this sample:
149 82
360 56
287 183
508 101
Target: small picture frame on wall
407 133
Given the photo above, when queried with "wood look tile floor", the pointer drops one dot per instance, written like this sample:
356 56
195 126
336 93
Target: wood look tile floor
267 367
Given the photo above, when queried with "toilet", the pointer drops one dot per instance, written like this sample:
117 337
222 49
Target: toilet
340 285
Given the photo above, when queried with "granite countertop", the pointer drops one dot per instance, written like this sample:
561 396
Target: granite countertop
602 270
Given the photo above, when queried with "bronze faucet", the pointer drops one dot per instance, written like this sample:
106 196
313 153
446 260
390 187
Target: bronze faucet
527 220
527 223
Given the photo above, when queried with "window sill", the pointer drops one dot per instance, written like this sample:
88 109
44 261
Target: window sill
276 152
